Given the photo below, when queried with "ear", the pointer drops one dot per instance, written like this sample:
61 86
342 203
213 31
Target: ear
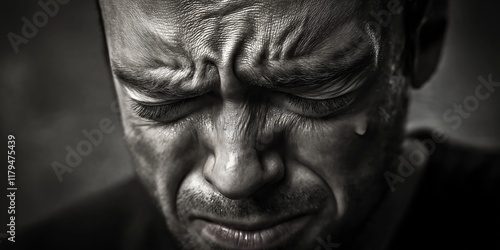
426 27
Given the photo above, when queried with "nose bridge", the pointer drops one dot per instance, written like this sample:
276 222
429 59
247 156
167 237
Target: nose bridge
238 169
234 123
235 154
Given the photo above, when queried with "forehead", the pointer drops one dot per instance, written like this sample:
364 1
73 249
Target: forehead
221 30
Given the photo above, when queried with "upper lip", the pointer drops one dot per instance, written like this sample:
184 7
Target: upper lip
253 223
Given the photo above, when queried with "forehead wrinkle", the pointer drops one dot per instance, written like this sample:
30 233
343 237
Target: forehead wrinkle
238 34
160 66
308 27
332 61
199 22
280 36
149 51
142 39
199 45
220 9
220 30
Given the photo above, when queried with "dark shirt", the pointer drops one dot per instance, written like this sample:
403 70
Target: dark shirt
456 206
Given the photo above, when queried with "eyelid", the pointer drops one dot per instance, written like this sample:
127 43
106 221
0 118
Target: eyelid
142 98
321 108
146 100
163 112
331 92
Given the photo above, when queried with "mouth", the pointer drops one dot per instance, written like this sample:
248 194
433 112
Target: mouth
257 233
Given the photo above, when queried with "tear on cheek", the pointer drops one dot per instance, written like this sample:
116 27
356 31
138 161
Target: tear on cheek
361 122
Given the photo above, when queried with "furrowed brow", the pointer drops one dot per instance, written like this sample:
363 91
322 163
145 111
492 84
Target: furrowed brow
156 86
310 73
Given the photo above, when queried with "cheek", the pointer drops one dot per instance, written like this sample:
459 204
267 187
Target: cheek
164 156
349 162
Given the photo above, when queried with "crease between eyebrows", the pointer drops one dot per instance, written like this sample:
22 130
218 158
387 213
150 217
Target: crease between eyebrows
337 76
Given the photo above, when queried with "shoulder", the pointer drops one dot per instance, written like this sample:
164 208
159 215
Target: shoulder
457 204
123 215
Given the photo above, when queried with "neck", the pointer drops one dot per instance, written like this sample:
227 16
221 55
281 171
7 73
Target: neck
380 228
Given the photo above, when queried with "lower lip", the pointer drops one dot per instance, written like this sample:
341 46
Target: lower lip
257 239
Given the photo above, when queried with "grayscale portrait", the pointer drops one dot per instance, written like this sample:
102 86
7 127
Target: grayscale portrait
269 124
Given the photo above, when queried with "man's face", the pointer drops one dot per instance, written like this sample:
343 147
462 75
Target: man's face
258 124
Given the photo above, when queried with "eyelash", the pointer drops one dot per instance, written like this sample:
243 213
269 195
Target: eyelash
308 107
320 108
159 112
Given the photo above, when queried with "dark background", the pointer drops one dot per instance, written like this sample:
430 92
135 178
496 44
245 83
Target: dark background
59 84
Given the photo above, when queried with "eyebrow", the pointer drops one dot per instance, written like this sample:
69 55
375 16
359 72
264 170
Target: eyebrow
296 74
153 86
314 73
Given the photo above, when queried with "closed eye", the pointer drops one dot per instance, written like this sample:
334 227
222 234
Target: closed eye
168 112
318 108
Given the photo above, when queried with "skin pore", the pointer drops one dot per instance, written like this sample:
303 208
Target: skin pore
259 123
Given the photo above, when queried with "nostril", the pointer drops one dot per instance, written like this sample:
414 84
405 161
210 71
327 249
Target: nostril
235 176
237 193
241 177
237 185
275 169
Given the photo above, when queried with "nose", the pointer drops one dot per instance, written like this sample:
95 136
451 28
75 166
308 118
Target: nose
238 171
238 167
